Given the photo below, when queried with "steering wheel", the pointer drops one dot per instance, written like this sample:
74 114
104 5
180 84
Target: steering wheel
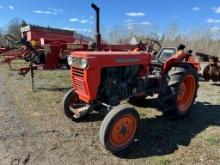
150 45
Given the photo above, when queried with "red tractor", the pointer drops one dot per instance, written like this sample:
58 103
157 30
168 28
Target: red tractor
109 81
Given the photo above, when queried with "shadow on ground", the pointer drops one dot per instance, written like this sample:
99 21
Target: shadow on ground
52 89
215 84
92 117
161 136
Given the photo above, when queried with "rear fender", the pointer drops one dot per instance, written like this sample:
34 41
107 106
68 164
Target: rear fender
169 63
172 61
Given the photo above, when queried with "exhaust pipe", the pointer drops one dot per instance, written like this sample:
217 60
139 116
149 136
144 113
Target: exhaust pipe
97 35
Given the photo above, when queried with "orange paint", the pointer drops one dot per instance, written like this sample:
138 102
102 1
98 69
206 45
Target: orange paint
186 93
123 130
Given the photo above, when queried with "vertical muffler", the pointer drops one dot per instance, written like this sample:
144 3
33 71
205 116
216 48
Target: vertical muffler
97 34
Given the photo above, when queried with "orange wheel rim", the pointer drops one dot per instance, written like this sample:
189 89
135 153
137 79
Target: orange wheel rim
123 130
186 93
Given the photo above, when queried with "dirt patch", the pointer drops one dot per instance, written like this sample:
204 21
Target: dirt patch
34 129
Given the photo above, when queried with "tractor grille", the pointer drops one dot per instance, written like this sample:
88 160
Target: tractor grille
77 72
78 78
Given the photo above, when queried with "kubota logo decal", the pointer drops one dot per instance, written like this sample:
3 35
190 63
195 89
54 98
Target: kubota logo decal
123 60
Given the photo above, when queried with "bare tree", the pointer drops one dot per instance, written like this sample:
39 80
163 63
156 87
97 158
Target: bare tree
2 38
15 26
122 34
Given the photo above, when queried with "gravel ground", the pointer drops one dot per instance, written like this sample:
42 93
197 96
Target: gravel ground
34 129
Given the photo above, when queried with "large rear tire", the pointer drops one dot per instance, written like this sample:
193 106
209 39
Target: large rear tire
180 92
206 73
119 128
214 73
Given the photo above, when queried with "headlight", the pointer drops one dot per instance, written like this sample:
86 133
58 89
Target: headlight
78 62
83 63
70 60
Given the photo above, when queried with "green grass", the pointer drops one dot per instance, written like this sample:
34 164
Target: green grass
164 161
212 140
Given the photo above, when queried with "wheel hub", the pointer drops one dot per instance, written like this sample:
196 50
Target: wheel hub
186 93
123 130
181 90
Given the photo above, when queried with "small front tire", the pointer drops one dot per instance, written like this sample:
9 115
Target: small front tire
71 100
119 128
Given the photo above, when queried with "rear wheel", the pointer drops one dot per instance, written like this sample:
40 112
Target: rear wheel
219 74
119 128
180 92
205 73
214 73
70 102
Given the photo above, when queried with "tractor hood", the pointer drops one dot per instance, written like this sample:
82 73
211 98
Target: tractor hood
112 59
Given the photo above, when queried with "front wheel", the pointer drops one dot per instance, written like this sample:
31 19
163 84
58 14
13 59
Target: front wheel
72 102
119 128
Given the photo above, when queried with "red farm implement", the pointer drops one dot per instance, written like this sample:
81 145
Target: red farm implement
210 67
44 48
53 43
